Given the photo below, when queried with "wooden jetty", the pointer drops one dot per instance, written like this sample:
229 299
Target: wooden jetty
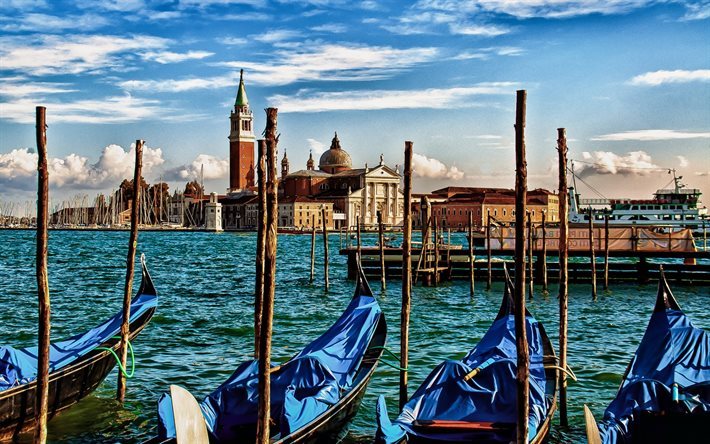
624 266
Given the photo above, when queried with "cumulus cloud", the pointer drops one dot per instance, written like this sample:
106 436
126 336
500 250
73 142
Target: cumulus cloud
18 168
437 98
423 166
606 162
651 135
316 147
212 167
661 77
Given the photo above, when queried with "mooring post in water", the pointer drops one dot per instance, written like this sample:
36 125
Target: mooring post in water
436 252
562 254
313 248
381 229
406 275
530 254
42 397
267 316
488 246
592 256
130 262
606 252
470 252
324 215
359 244
521 340
260 243
543 262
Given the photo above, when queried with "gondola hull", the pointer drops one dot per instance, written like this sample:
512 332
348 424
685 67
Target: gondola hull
66 386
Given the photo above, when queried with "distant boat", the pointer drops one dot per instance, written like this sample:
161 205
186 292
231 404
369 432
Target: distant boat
313 395
474 399
77 365
665 393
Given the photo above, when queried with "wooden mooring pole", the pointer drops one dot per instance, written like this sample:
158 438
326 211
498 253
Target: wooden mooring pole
543 260
325 247
313 248
359 243
521 340
406 275
470 252
43 333
260 243
592 255
381 229
530 255
488 246
436 252
130 263
562 252
606 252
267 317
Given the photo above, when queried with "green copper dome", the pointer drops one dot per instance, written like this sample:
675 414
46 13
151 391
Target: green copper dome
242 99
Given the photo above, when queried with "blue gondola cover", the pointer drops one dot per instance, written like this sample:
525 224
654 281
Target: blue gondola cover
19 365
302 389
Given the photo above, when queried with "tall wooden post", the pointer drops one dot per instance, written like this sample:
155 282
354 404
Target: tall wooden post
470 252
606 252
592 256
380 226
359 243
543 263
313 248
521 340
42 397
267 317
562 252
530 254
488 246
324 215
260 243
130 262
406 275
436 252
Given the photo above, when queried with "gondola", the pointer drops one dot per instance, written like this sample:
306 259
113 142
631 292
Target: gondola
665 392
77 365
474 399
313 396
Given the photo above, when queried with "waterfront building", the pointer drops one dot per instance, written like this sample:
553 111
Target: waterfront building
213 214
299 212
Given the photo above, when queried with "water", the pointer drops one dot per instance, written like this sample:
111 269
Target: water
203 326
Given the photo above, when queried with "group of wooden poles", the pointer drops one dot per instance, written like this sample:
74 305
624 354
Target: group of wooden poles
266 271
42 400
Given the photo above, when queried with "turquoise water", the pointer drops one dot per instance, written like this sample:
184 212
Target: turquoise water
203 326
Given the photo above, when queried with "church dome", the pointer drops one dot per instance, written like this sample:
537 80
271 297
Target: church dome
335 159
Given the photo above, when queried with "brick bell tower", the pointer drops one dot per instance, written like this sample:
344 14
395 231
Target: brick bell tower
241 142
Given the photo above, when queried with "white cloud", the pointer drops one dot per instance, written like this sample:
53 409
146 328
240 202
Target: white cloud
423 166
683 161
116 109
478 29
606 162
308 101
335 28
277 35
22 88
18 168
207 3
316 147
651 135
159 86
165 57
113 5
657 78
50 23
233 41
697 11
72 54
333 62
213 168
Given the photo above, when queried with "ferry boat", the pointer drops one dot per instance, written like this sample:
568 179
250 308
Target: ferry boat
675 208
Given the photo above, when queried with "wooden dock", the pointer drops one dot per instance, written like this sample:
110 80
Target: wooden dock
681 268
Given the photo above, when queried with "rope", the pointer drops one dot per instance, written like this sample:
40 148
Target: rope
118 360
568 371
387 363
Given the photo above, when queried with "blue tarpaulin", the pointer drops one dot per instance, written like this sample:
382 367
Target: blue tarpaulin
672 352
19 365
488 397
301 389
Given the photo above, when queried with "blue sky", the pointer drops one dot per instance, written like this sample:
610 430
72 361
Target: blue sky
629 79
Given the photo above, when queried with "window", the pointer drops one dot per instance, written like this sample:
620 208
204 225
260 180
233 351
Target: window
505 212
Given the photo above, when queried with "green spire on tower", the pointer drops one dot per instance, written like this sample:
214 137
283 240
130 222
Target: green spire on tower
242 99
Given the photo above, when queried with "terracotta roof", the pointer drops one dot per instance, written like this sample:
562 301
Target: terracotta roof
309 173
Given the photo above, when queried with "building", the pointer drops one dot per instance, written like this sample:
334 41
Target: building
353 192
241 142
213 214
301 212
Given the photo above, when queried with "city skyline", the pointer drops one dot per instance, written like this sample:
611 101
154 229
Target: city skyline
629 79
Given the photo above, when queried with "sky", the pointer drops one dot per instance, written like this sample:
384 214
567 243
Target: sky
628 79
